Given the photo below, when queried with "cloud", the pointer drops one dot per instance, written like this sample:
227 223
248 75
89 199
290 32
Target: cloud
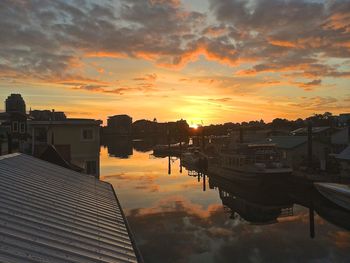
309 85
318 103
47 40
221 100
142 88
148 77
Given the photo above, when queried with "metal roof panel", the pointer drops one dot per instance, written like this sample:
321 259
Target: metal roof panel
52 214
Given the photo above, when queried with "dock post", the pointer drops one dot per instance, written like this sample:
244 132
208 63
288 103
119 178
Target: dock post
169 164
204 183
312 222
309 145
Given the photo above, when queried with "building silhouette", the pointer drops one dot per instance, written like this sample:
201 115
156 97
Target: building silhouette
15 103
119 125
47 115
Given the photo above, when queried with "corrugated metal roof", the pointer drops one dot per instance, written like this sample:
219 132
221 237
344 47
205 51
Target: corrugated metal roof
52 214
286 142
314 130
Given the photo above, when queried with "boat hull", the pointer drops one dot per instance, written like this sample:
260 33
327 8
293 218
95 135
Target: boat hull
336 193
251 178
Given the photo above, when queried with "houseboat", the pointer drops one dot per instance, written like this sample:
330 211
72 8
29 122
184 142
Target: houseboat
250 163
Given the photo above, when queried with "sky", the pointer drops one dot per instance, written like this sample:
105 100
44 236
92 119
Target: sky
206 61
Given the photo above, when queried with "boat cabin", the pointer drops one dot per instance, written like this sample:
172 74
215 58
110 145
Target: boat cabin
258 155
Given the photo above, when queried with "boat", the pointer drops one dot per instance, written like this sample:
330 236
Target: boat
172 149
250 163
337 193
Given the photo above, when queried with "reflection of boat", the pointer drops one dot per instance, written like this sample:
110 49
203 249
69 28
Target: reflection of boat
337 193
251 212
261 206
193 159
250 162
268 194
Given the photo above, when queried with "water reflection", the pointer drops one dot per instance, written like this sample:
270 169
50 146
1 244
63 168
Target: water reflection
190 217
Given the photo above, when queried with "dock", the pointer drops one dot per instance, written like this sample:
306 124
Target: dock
52 214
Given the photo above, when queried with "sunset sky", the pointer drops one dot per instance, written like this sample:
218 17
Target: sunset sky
202 60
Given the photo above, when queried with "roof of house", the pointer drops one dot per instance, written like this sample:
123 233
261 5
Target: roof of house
286 142
51 214
344 155
314 130
69 121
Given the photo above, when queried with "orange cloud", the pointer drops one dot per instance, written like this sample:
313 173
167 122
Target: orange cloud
282 43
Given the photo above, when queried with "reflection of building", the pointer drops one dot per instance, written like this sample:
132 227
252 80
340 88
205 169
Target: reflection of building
77 141
118 147
119 125
144 145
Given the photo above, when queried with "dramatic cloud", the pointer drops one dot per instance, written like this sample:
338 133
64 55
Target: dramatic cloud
288 35
48 38
234 48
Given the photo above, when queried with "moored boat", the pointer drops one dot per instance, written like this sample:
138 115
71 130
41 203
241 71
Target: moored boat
250 163
172 149
337 193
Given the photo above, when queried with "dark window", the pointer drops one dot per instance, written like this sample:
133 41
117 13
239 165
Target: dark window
88 134
15 126
22 127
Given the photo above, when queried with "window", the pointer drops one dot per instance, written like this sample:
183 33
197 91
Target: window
88 134
22 127
15 126
91 167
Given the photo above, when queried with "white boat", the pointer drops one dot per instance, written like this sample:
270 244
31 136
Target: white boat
337 193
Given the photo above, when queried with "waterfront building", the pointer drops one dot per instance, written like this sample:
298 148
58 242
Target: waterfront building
294 150
344 119
344 160
323 133
76 140
340 139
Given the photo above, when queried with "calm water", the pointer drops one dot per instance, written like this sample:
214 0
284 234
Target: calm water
175 220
